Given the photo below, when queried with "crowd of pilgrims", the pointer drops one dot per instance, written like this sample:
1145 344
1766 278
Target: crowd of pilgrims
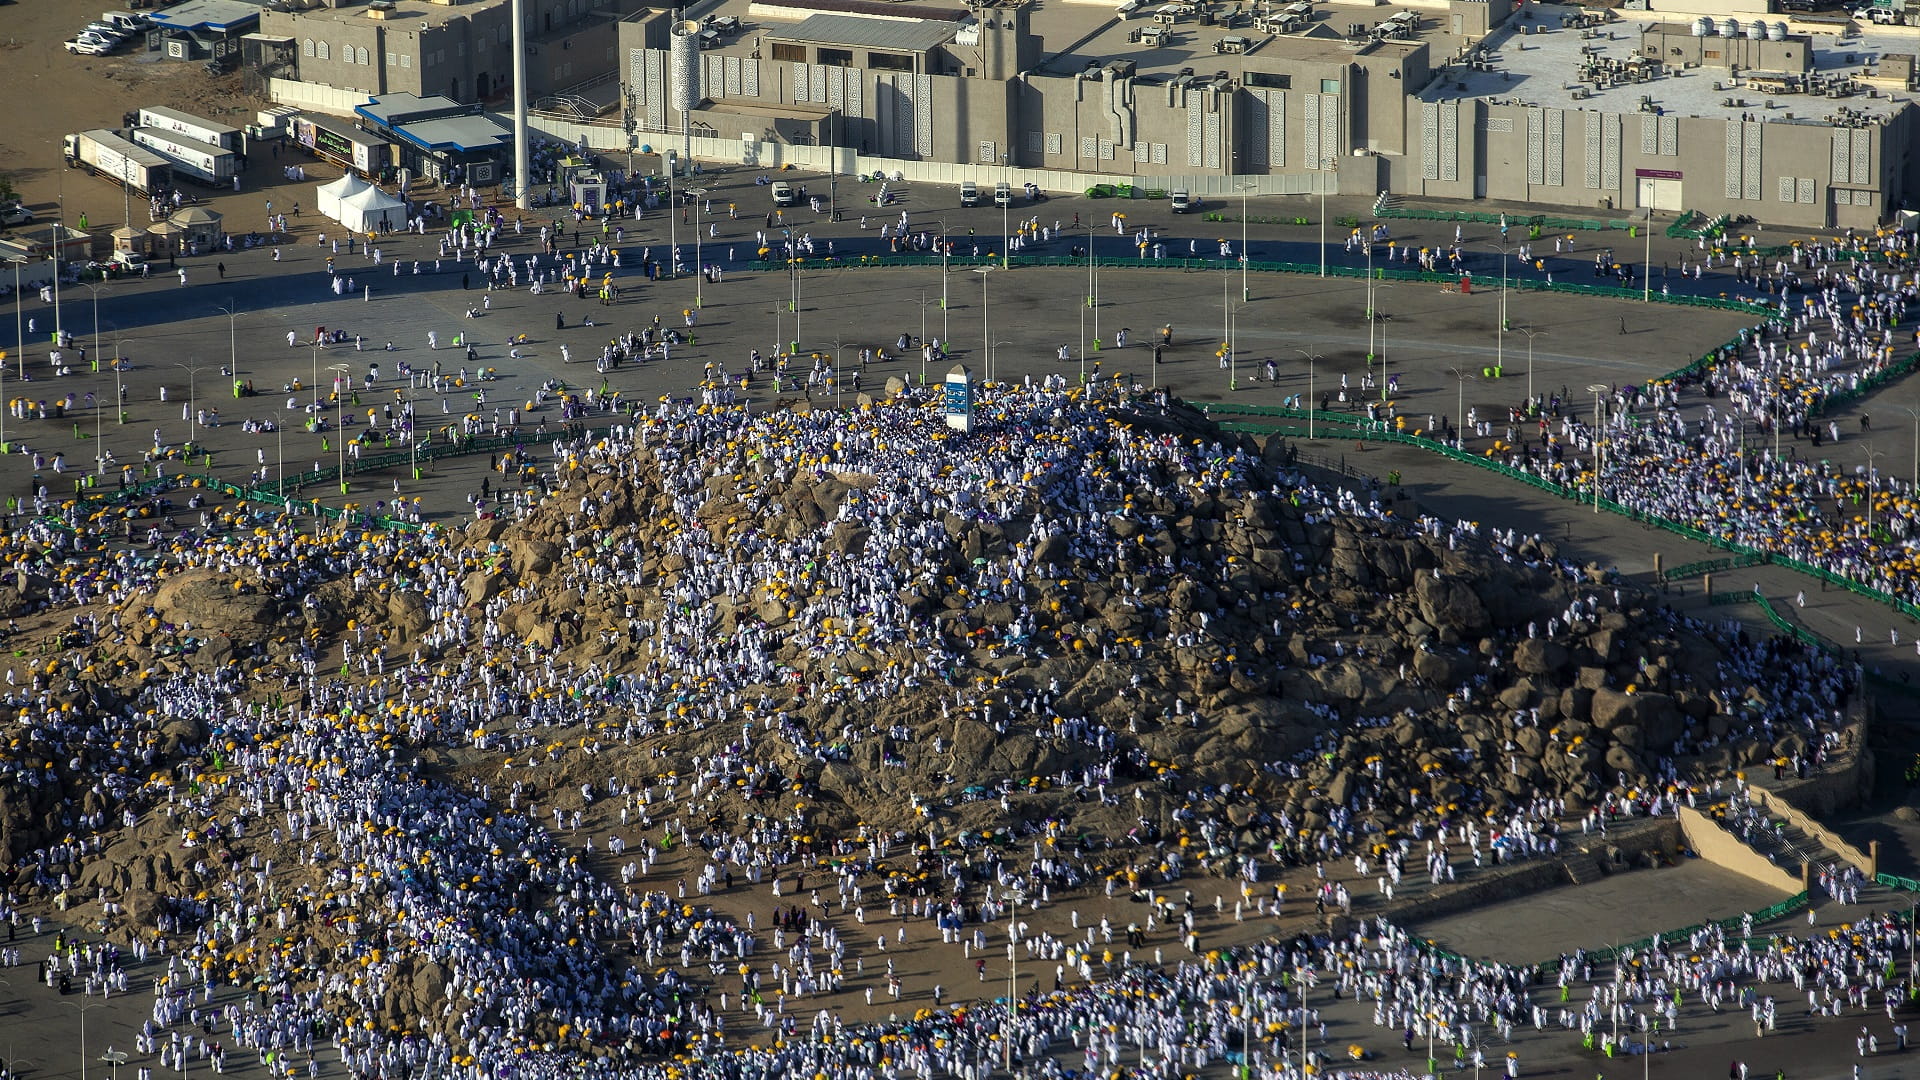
1738 447
553 969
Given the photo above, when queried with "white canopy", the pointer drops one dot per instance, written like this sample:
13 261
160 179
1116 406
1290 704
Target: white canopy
371 209
327 198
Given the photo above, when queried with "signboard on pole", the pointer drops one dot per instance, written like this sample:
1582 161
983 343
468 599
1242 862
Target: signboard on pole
958 402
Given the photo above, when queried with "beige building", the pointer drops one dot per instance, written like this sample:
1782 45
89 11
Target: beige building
463 51
1795 121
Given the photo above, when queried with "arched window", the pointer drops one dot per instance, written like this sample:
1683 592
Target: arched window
346 54
322 46
363 56
307 47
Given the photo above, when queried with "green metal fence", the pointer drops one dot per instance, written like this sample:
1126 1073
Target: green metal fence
1712 566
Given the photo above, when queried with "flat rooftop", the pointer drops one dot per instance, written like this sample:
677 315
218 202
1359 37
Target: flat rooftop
1542 69
1075 34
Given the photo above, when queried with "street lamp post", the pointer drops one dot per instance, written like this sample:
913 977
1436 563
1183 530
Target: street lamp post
1006 245
1312 353
986 334
1599 390
314 351
115 1059
1500 332
280 458
699 226
193 402
946 329
119 384
93 290
1373 323
83 1009
233 347
1646 267
1325 165
1245 187
922 304
1461 378
340 427
99 455
1531 334
1233 347
1873 454
19 327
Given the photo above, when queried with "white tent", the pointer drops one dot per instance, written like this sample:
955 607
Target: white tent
371 210
327 198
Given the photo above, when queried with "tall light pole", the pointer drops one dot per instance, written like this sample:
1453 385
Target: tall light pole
1013 974
233 346
1006 245
19 327
280 457
1373 322
193 402
94 289
1088 306
1599 391
83 1009
1500 331
1646 267
946 328
1233 346
1312 353
99 455
699 226
1326 165
340 427
314 350
986 333
1531 334
1873 455
56 273
119 386
922 304
1244 187
1461 378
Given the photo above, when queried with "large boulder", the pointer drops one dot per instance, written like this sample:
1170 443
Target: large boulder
214 601
1450 603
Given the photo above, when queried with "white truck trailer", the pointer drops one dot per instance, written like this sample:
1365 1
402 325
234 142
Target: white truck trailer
175 122
105 153
200 161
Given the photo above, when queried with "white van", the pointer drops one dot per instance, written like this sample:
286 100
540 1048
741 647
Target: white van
969 193
1002 194
783 194
1183 200
127 22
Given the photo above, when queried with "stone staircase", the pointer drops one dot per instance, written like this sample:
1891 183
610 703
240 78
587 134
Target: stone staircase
1583 867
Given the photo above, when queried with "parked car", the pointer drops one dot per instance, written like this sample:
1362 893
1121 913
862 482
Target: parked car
969 193
783 194
15 214
1183 200
1002 194
85 46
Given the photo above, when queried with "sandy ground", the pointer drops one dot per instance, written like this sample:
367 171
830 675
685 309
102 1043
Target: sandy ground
50 92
